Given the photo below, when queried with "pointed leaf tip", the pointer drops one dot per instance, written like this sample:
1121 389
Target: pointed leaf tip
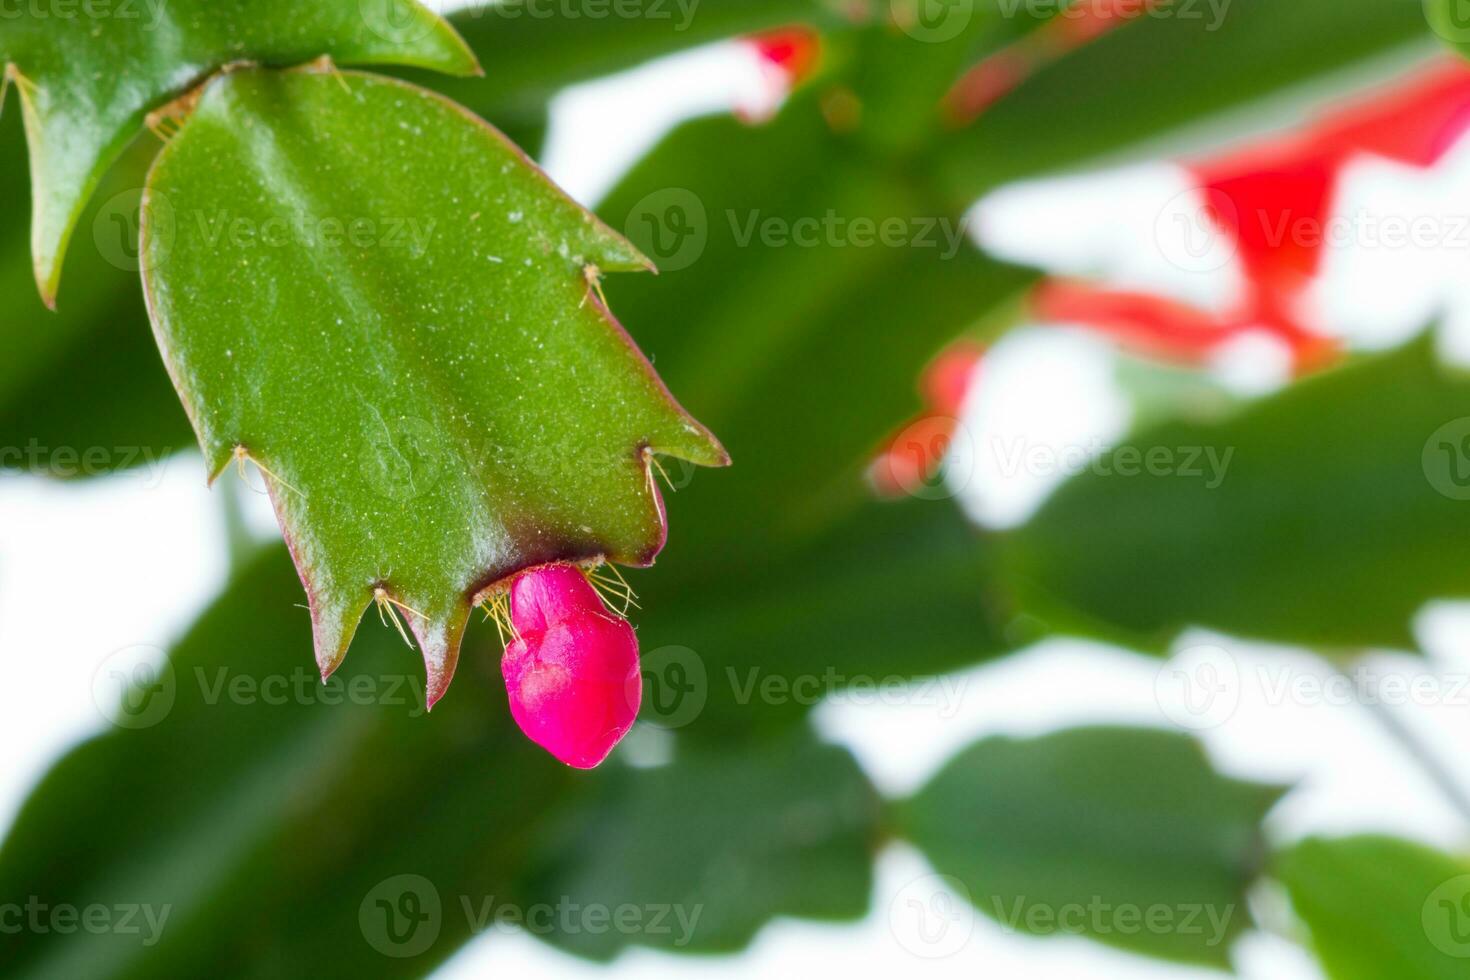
439 642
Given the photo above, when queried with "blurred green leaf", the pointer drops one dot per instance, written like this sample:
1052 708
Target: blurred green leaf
1183 67
1124 835
401 334
1317 516
901 66
716 843
1380 908
82 390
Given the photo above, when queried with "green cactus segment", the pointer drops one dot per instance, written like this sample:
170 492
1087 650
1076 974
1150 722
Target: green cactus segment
373 301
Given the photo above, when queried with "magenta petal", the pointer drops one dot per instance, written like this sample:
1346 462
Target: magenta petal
550 594
572 675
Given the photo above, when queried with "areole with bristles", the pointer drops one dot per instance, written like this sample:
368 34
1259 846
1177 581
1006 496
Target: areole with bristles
604 577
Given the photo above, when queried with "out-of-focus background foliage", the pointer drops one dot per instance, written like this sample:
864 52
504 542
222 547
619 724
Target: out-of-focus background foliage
1128 331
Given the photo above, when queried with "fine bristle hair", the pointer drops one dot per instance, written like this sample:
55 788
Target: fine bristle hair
497 608
388 609
612 588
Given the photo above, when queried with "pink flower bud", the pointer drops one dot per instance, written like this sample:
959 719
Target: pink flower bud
572 670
